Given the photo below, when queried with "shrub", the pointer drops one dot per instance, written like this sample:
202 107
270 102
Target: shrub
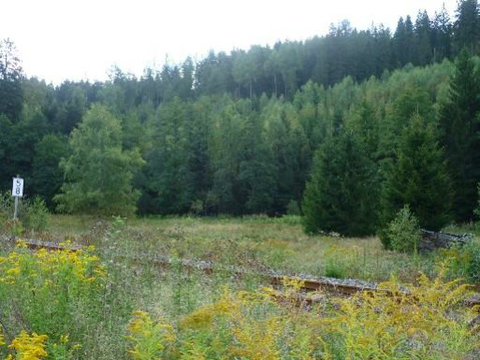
293 208
477 210
473 267
32 214
37 214
403 233
335 262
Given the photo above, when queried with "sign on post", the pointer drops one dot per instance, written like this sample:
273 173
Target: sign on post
17 192
17 189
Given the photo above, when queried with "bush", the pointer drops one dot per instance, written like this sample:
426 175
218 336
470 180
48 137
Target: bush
293 208
473 261
32 214
477 210
37 214
463 261
403 233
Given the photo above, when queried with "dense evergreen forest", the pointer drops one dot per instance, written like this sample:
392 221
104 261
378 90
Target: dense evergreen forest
371 120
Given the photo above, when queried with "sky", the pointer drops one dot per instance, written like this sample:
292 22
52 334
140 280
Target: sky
83 39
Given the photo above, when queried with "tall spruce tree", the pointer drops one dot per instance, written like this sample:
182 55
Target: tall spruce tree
467 25
461 130
47 176
423 38
341 194
442 35
171 181
11 75
418 177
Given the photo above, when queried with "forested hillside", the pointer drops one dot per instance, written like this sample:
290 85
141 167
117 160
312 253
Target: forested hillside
371 119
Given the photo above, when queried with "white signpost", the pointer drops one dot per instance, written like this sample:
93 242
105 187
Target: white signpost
17 192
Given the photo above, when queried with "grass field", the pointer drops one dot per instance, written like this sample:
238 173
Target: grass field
98 304
259 242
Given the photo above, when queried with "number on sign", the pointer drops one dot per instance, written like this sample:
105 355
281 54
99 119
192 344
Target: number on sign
17 189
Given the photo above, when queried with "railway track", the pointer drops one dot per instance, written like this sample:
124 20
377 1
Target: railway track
344 287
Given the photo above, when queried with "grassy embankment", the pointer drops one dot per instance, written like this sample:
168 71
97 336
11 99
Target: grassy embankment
83 302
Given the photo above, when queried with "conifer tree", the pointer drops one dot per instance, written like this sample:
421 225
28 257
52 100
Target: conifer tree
257 170
341 194
418 177
171 181
11 75
46 174
365 124
442 35
461 130
467 25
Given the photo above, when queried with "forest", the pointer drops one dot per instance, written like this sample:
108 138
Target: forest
345 128
314 199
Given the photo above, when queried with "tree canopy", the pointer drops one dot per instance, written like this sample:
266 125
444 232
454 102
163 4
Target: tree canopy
243 132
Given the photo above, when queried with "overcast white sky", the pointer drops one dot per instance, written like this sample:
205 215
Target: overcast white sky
82 39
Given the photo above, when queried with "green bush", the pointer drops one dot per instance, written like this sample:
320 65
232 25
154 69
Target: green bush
293 208
33 214
473 264
403 233
37 214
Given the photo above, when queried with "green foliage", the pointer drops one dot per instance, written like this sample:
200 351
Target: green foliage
418 177
32 214
477 209
467 26
461 128
403 233
60 284
472 250
293 208
47 177
341 194
238 131
99 172
38 215
11 91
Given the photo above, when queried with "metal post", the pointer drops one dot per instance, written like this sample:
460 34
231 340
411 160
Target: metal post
16 209
15 214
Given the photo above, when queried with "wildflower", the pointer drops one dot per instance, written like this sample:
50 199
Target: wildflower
150 338
29 347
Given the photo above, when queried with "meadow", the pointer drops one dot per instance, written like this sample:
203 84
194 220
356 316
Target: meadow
98 303
258 242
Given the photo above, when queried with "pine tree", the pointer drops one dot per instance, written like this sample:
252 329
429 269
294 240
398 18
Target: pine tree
171 182
11 75
442 35
461 129
257 169
399 44
411 50
47 176
467 25
418 177
228 195
423 37
98 173
341 194
365 124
